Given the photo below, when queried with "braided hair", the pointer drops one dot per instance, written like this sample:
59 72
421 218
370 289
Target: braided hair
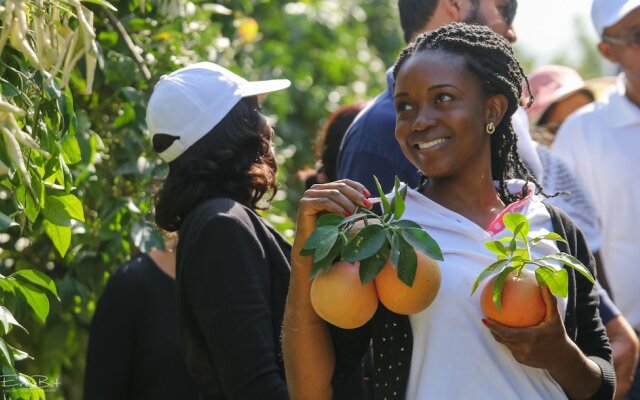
490 57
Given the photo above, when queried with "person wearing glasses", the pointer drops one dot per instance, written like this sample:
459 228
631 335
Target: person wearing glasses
601 142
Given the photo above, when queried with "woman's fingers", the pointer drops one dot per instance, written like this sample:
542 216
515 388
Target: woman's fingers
340 197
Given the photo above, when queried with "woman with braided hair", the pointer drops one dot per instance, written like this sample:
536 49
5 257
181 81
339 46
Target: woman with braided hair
455 90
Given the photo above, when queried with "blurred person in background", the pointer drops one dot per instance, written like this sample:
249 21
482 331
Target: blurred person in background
559 91
133 350
601 143
328 144
232 266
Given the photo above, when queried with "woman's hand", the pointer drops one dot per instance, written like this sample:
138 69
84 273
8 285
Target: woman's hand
339 197
548 346
538 346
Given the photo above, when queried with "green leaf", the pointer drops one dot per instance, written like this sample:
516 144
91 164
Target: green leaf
6 222
18 355
31 208
146 236
370 267
73 206
128 115
307 252
405 223
557 280
394 255
7 319
422 242
499 285
486 272
517 224
496 247
56 212
59 235
548 236
407 264
37 278
365 244
325 263
71 149
102 3
6 355
320 234
386 208
329 219
322 240
572 262
37 300
397 204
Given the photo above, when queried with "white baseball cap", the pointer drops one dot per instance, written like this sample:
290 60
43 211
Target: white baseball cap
605 13
189 102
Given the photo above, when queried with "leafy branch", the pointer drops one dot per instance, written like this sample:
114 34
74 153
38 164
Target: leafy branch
382 237
514 254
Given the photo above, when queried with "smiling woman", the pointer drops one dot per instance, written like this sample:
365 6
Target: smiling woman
455 90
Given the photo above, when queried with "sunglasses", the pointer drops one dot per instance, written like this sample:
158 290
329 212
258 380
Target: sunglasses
632 40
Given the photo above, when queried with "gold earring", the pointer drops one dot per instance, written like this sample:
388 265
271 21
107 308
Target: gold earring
490 128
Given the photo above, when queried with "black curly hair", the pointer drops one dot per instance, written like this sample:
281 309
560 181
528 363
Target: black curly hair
233 160
490 57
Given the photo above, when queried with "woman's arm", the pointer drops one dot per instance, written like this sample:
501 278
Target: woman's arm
308 352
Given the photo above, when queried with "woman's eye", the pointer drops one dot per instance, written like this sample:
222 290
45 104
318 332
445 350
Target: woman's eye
442 97
404 107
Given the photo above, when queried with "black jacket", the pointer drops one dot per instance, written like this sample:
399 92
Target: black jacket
232 278
392 359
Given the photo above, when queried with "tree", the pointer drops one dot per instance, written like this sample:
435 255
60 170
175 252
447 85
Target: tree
90 205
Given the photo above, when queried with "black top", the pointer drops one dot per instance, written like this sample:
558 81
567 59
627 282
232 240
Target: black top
133 345
232 275
582 323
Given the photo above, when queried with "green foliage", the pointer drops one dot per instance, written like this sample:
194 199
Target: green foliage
388 238
514 254
89 206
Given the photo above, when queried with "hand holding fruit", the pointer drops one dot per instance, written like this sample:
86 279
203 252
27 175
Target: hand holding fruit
540 346
341 197
366 257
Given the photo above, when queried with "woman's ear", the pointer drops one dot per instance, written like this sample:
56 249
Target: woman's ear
456 10
496 108
606 50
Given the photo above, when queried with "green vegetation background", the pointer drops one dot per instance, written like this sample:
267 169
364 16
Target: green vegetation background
334 52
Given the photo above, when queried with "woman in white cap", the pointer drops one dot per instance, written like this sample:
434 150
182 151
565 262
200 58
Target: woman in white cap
232 266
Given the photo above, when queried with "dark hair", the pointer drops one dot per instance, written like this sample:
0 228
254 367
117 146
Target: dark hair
490 57
233 160
329 140
414 15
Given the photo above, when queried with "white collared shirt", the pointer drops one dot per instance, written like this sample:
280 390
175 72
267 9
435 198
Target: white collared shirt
454 355
601 143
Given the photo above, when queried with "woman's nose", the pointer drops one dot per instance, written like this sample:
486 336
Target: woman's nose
424 120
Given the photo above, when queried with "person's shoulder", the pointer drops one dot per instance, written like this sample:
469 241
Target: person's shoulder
136 268
218 214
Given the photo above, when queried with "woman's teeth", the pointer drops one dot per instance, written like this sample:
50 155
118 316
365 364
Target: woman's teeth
431 143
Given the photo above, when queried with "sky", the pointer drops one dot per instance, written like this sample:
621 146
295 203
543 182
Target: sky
547 27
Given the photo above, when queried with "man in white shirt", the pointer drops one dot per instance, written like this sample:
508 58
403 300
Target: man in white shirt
601 142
